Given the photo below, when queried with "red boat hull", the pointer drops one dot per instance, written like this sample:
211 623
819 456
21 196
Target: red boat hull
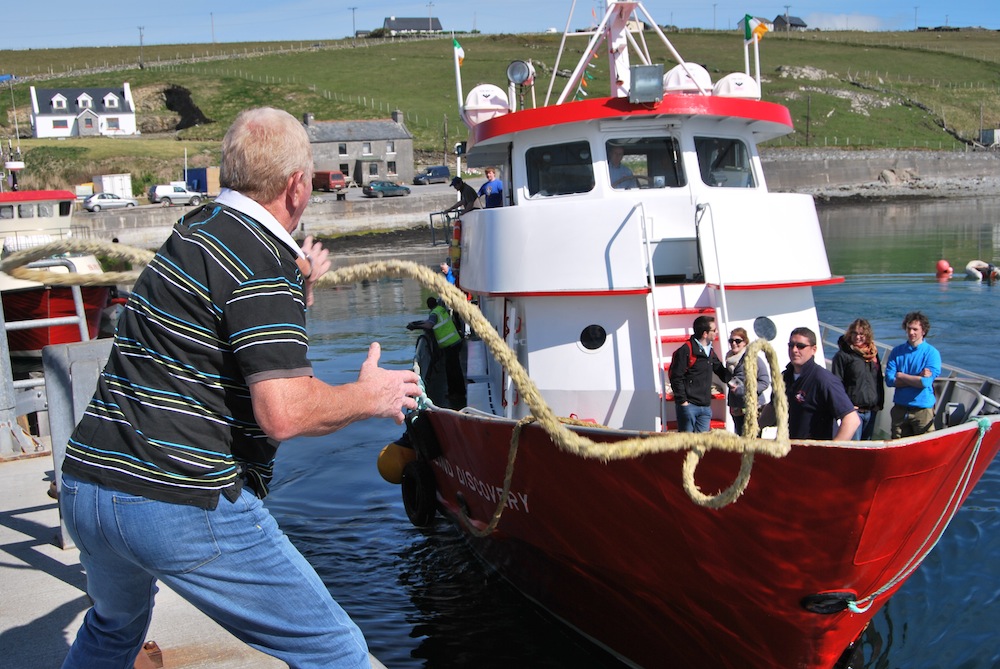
618 551
51 302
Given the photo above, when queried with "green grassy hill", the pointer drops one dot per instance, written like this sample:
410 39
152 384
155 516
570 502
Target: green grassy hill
932 90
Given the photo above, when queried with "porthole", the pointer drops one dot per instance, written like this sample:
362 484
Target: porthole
593 337
765 328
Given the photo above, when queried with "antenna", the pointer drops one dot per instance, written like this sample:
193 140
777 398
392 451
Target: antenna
141 28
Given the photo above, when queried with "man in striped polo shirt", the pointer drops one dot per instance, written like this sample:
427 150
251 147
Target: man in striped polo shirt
164 475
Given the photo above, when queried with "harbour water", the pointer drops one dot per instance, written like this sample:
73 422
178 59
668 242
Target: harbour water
423 600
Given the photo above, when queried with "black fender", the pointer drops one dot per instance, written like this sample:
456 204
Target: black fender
419 491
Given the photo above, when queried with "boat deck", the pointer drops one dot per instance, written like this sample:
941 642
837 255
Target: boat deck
44 598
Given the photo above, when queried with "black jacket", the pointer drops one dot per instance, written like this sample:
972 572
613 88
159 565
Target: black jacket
863 380
691 374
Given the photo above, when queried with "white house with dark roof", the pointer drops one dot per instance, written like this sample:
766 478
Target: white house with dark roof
393 25
83 112
363 150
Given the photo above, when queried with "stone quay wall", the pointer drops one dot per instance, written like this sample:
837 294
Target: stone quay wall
785 169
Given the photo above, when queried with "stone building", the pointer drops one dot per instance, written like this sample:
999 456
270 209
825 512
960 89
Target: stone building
363 150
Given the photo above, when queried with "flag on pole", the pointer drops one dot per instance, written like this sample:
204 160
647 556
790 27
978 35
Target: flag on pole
752 29
459 52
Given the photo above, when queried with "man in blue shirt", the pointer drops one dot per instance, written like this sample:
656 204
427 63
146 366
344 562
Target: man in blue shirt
448 274
492 190
911 370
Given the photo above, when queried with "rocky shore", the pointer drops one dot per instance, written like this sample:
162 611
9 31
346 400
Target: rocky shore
881 175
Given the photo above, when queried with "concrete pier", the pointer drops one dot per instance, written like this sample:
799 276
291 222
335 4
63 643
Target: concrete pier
44 597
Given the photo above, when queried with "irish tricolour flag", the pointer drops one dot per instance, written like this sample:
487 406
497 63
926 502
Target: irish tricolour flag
460 52
752 29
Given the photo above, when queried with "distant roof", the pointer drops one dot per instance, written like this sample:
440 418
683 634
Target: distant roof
97 94
792 21
355 131
411 25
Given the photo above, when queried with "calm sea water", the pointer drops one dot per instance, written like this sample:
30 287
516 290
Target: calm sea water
423 600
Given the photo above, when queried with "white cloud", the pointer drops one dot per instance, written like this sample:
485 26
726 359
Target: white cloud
845 22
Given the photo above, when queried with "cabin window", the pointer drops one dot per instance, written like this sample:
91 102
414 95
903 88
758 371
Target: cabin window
45 209
6 212
560 169
25 211
644 162
724 163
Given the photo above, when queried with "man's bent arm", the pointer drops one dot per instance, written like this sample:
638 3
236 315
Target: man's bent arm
306 406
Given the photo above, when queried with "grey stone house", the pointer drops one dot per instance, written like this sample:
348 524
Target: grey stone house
363 150
785 23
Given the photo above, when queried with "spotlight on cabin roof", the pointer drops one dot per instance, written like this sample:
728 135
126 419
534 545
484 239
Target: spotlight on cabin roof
647 83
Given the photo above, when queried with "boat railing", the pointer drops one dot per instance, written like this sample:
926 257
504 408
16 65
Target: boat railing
440 222
654 311
26 238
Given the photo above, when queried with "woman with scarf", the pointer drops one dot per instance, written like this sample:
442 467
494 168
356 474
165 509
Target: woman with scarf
736 399
858 366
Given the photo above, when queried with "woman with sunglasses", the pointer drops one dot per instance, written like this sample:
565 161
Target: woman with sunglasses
736 400
858 366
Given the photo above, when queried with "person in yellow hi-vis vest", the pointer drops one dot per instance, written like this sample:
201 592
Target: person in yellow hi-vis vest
450 342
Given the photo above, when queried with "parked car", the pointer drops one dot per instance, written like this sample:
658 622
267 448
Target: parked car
331 181
384 189
168 195
438 174
99 201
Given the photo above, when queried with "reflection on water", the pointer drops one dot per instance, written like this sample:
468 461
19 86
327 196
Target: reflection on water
424 601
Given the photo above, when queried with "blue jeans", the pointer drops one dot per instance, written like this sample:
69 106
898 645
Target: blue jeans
867 427
691 418
232 563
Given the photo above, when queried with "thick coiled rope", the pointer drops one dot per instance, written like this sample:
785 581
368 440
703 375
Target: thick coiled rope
696 444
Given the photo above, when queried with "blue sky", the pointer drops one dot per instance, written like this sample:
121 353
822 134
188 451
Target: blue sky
69 23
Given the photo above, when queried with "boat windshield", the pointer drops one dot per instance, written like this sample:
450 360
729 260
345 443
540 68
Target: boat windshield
646 162
724 162
560 169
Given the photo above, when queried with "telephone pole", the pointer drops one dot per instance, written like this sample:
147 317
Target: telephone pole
140 47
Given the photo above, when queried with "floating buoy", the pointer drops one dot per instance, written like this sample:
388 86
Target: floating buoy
391 461
944 269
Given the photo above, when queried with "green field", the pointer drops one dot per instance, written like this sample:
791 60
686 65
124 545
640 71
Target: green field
931 90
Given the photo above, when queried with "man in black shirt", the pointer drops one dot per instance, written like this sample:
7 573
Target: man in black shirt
164 475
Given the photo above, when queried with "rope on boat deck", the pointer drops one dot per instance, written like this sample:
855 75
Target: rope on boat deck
696 444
